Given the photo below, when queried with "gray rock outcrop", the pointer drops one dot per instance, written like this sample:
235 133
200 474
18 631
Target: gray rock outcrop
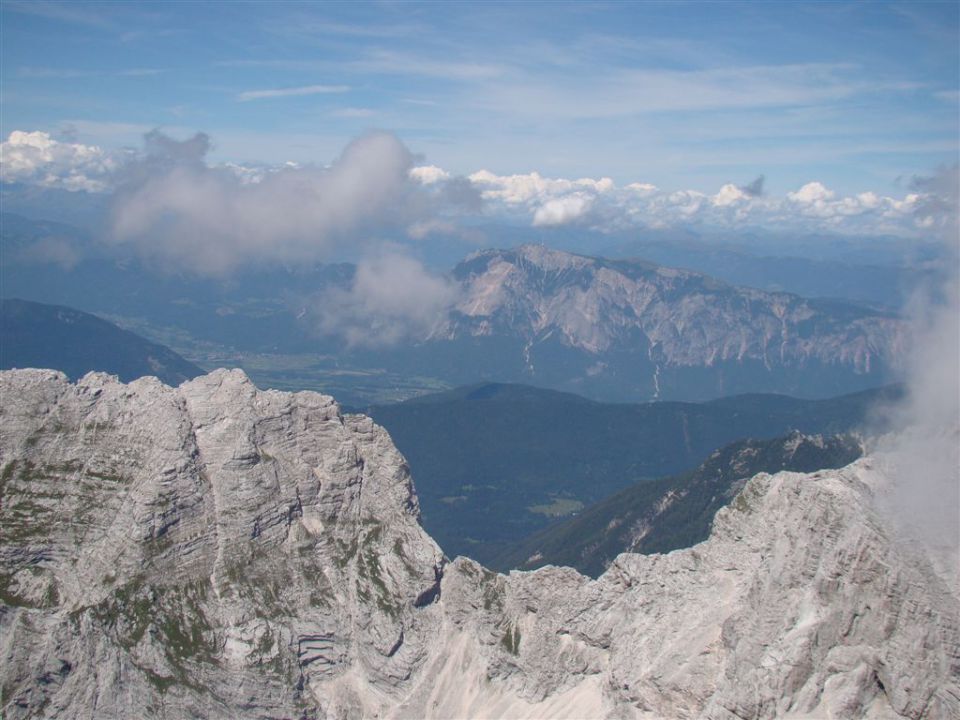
218 551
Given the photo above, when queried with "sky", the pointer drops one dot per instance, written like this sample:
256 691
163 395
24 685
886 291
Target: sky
859 97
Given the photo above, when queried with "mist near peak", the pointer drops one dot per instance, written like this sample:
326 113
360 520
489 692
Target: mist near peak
924 447
392 297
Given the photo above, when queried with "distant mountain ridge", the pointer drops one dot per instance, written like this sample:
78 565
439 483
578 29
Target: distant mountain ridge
631 331
34 335
618 329
884 279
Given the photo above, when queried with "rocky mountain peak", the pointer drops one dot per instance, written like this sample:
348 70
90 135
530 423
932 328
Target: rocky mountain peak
665 320
200 539
219 551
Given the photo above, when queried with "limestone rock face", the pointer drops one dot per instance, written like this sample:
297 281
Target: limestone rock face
688 319
208 551
628 330
218 551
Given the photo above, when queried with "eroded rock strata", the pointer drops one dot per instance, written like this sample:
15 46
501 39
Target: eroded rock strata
218 551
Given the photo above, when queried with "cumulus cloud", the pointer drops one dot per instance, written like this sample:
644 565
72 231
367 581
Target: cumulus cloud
811 194
37 158
562 210
447 192
730 195
551 201
392 297
175 209
429 174
532 187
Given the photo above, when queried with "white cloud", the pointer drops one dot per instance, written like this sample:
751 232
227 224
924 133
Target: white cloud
429 174
392 297
429 193
812 193
425 228
36 158
642 188
248 95
533 187
925 450
730 194
812 207
175 209
562 210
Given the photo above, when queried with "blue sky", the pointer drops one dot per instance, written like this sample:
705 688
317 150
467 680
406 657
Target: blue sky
858 96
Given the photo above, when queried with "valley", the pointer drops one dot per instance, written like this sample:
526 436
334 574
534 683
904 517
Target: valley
495 463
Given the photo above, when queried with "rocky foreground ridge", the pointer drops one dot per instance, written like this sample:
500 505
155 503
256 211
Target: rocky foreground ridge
219 551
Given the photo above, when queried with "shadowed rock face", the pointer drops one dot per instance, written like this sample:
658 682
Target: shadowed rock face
218 551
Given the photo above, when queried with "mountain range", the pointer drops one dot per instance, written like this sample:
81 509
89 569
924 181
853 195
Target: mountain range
214 550
631 330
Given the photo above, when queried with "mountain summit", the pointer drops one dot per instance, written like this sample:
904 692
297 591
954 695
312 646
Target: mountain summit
627 329
214 550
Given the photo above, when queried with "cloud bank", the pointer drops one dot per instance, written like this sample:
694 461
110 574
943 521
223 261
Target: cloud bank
599 204
431 191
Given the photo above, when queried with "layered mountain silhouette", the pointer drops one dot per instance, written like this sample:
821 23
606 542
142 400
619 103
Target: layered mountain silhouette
34 335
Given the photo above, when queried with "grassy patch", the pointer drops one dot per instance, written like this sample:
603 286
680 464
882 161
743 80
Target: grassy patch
370 569
558 507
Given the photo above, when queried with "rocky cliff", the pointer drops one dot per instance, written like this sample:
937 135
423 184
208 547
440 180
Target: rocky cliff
628 329
216 551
